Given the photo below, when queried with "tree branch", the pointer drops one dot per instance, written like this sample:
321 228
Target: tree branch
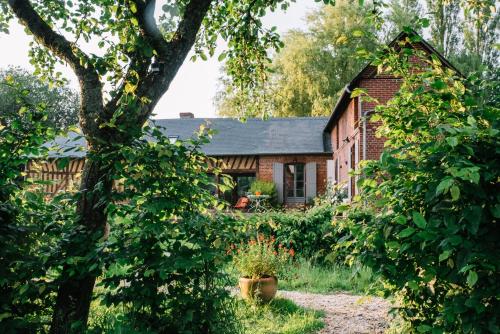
91 87
152 85
172 53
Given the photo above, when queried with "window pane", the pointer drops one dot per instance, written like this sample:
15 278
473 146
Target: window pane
294 180
243 184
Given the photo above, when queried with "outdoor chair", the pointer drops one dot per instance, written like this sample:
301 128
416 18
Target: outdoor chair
242 203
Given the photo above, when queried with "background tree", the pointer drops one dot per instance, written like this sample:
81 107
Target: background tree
307 74
400 14
481 38
138 60
445 25
310 70
61 103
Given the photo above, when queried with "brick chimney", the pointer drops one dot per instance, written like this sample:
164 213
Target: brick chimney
184 115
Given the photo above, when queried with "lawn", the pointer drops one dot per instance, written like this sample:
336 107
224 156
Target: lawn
304 275
280 316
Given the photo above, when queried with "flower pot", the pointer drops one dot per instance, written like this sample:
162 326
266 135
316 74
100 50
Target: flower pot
261 289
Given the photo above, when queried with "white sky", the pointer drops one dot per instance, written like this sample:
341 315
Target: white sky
194 87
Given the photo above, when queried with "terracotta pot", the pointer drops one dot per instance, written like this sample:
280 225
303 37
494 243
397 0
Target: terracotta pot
261 289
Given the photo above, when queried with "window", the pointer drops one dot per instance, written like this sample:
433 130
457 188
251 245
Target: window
243 183
294 180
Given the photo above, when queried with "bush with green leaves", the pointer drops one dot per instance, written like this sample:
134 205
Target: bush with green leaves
264 187
427 216
164 249
30 225
309 232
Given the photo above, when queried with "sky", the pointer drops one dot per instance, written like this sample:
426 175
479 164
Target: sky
195 85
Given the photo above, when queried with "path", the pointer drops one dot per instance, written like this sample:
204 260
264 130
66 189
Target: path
345 313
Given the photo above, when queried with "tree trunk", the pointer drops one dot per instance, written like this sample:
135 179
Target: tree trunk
75 292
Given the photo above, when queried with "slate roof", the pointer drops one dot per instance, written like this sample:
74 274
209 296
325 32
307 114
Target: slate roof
280 136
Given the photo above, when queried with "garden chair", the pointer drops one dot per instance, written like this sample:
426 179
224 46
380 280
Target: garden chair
242 203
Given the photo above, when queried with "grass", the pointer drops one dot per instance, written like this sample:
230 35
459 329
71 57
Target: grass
280 316
307 277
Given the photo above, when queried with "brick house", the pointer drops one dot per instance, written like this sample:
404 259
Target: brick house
352 134
291 152
300 155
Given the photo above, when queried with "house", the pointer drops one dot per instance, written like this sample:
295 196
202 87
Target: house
300 155
352 134
291 152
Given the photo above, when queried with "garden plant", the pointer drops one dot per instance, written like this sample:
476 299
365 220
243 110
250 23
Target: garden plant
426 218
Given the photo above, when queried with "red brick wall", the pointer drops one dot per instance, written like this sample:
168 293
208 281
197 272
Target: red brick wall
348 133
382 89
350 129
265 169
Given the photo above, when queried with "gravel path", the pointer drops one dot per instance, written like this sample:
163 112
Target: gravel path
345 313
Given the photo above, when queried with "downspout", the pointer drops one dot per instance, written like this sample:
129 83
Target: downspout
363 118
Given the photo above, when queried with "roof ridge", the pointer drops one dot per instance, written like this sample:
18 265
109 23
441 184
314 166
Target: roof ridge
248 119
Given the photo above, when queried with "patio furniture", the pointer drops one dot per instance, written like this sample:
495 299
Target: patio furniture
242 203
258 202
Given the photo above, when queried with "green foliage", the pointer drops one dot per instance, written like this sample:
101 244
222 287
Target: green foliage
310 233
164 250
280 316
313 66
401 14
60 102
264 187
29 224
428 218
334 195
261 258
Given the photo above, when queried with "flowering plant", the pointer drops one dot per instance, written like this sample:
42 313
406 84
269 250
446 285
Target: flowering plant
261 258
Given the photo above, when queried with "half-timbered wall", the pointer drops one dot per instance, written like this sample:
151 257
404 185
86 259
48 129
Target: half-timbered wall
232 164
60 179
63 179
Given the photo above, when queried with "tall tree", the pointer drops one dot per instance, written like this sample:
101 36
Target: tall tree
61 102
482 36
138 60
445 25
311 69
400 14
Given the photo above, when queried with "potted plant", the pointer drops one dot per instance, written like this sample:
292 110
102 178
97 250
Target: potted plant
259 263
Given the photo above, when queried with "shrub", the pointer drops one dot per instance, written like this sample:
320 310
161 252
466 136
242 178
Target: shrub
30 226
428 218
264 187
164 249
310 232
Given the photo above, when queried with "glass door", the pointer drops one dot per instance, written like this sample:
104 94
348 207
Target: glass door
295 183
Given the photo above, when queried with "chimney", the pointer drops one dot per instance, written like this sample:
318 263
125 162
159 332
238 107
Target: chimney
185 115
